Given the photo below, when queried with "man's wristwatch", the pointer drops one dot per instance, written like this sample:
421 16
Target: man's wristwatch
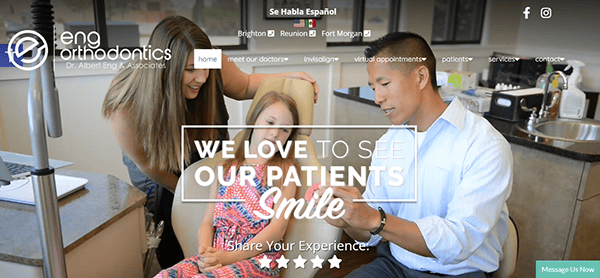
383 218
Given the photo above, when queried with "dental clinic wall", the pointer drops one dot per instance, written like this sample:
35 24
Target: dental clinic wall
572 33
87 138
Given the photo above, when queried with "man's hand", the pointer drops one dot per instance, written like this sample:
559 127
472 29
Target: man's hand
338 222
357 215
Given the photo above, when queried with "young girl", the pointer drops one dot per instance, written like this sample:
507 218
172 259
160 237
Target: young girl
147 105
228 226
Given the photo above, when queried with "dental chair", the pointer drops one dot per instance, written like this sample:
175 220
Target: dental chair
187 216
510 250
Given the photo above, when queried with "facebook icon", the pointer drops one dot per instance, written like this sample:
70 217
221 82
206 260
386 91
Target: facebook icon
526 12
5 60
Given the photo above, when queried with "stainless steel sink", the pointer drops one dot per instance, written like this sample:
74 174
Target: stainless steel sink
565 130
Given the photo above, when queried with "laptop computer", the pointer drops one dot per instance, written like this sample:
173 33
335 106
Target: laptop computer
16 184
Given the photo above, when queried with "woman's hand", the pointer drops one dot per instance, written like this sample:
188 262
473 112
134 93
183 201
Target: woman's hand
239 85
303 76
210 258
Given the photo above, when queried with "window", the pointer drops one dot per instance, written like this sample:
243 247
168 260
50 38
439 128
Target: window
457 21
378 16
15 15
129 23
219 19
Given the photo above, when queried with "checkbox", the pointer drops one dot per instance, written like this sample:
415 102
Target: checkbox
271 33
367 33
312 33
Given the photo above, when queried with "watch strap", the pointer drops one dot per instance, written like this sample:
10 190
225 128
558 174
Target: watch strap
383 219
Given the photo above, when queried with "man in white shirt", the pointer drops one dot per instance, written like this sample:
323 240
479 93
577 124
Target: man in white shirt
464 176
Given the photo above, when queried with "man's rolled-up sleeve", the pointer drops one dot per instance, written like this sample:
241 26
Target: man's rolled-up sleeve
373 241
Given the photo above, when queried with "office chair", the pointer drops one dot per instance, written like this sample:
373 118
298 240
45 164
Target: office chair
187 216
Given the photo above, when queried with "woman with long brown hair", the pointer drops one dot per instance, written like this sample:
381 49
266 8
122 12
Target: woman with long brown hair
147 105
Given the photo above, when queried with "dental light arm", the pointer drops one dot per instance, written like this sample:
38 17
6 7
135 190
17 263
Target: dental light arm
43 100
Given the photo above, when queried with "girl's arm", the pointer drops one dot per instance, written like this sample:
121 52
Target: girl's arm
120 123
239 85
271 233
206 232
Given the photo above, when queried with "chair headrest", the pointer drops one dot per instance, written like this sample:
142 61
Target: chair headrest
301 91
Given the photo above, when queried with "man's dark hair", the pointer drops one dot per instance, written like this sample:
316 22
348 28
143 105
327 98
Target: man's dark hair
404 44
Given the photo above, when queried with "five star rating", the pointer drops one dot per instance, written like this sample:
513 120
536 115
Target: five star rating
300 262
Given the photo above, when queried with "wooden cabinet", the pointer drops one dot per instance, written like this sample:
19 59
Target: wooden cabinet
102 226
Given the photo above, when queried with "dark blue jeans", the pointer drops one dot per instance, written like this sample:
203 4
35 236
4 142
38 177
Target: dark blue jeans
159 202
385 265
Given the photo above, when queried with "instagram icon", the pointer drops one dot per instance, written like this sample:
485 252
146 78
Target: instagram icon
546 12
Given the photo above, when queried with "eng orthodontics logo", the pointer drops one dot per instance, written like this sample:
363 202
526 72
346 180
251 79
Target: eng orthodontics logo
79 56
82 51
15 50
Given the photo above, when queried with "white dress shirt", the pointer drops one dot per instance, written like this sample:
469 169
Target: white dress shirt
464 178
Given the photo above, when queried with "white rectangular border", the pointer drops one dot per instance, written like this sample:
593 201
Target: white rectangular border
211 53
183 127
